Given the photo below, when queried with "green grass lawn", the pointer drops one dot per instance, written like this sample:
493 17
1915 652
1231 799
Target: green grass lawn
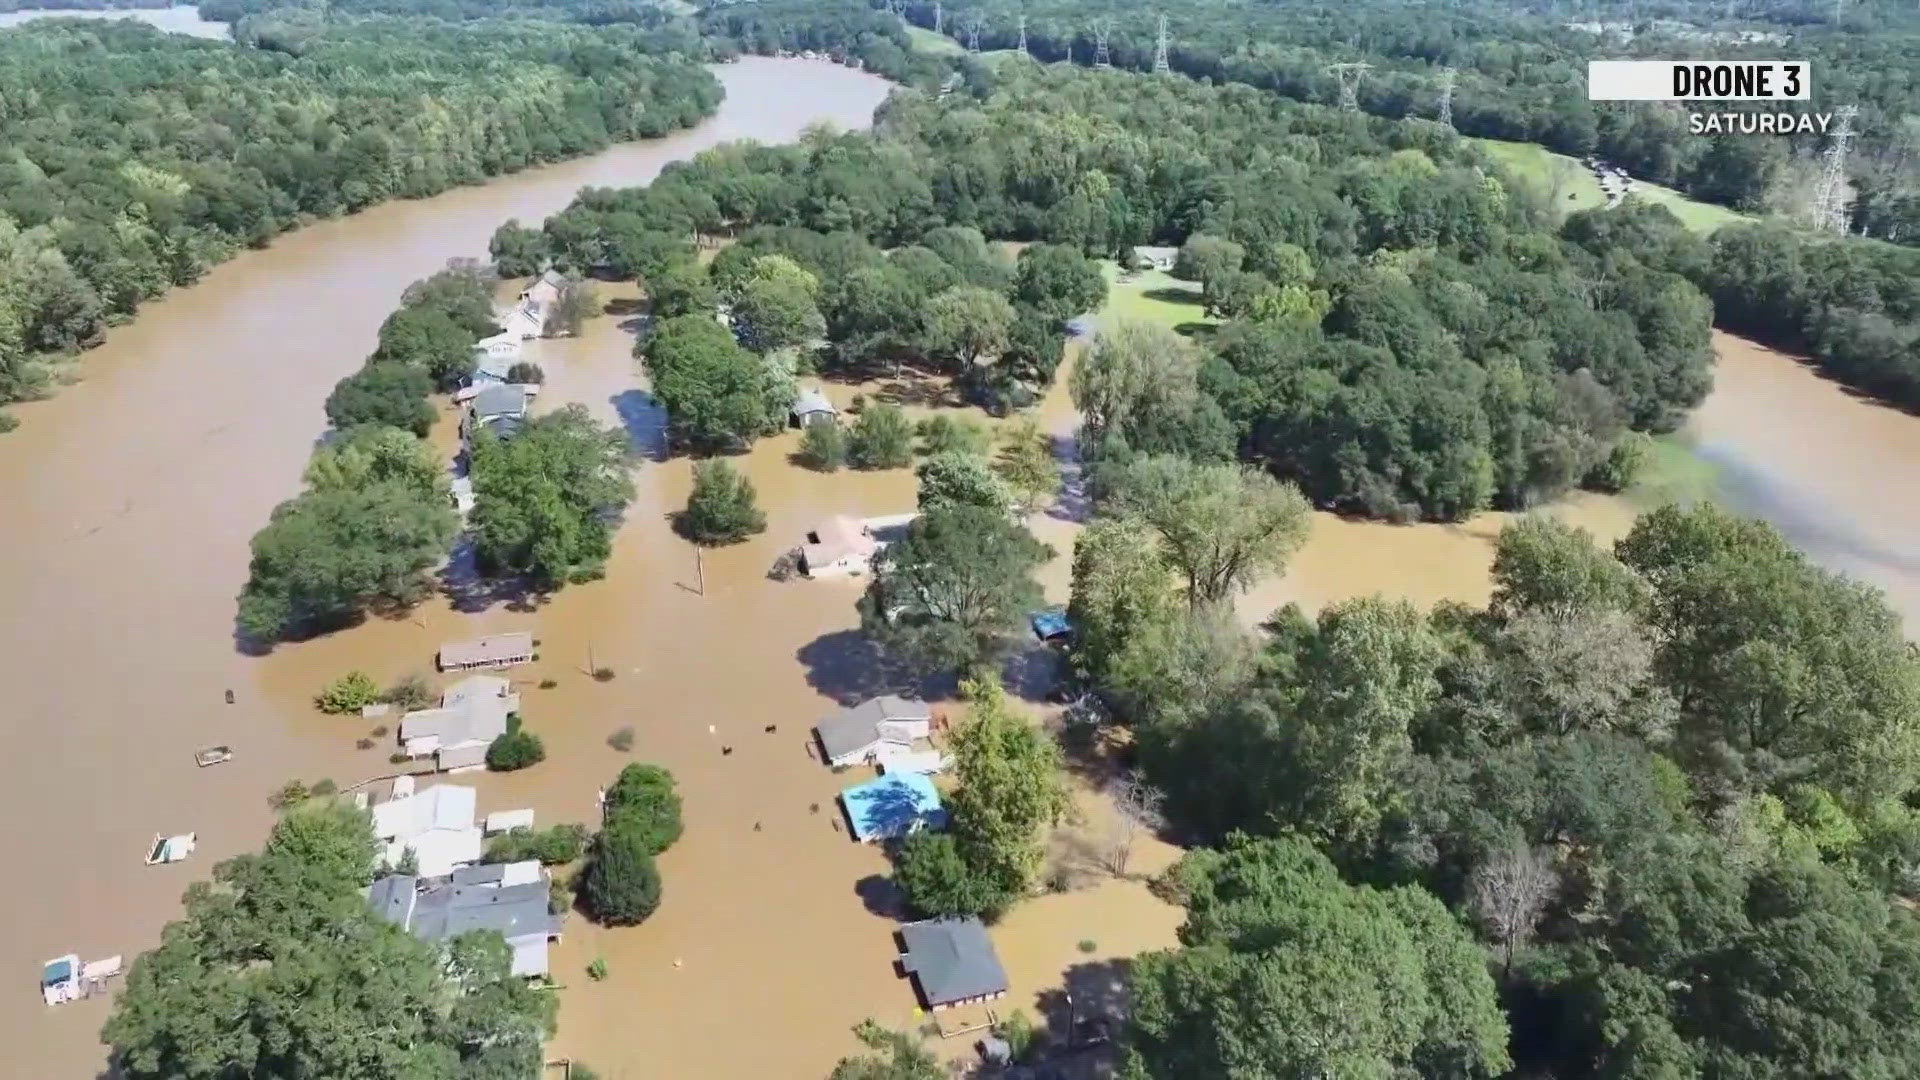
1674 473
925 40
1151 296
1545 169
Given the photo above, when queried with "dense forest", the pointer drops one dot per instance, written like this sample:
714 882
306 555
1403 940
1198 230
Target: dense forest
1672 788
1522 76
1852 304
1403 342
138 159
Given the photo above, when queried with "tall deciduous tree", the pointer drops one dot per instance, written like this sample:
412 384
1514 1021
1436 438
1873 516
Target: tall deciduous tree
721 507
1222 526
1058 281
952 477
545 501
950 592
1009 787
717 394
1028 465
328 556
966 324
373 454
1288 971
778 305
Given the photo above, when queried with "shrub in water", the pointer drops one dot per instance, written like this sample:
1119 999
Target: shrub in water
348 694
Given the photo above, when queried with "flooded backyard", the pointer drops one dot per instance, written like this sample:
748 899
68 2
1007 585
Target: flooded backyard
132 496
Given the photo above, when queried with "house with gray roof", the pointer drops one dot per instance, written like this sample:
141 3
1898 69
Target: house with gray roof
952 962
810 406
511 899
495 404
855 735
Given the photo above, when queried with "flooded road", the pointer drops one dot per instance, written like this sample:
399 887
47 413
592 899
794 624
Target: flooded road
129 501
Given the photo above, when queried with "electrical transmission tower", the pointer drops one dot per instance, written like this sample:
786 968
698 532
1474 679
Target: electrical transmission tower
1160 65
1101 29
1349 76
1023 32
973 32
938 19
1447 78
1830 205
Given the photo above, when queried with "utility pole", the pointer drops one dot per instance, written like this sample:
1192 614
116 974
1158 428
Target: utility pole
1447 77
1101 28
1160 65
1830 205
1349 76
973 32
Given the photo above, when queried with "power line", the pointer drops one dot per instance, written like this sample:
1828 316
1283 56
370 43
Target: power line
1830 205
1160 65
1349 76
1447 77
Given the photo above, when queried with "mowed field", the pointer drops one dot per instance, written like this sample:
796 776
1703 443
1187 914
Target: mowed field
1572 187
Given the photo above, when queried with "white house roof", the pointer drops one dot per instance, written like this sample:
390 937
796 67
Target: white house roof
811 400
853 730
437 851
838 538
443 807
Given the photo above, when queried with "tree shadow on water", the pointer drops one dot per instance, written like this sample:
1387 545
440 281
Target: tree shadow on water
468 590
849 667
881 896
645 422
1089 1006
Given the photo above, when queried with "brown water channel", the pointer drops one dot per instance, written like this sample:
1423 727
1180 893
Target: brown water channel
126 504
127 501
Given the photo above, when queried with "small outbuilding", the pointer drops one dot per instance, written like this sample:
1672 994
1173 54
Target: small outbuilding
497 651
1157 258
810 406
853 736
952 961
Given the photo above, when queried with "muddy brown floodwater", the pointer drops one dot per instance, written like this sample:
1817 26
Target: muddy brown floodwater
126 505
130 498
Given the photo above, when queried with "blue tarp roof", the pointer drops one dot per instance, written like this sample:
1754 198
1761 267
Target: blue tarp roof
1050 624
894 805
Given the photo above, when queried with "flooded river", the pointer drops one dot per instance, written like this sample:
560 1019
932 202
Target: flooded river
129 500
131 496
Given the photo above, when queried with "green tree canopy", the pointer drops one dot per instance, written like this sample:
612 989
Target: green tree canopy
1058 281
717 394
952 590
545 500
1221 526
1287 971
278 968
721 507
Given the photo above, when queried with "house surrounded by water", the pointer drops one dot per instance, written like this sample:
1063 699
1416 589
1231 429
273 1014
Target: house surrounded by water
952 962
856 735
512 899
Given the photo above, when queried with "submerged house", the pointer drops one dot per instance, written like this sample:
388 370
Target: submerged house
496 651
952 961
435 824
856 735
539 298
495 406
810 406
512 899
844 546
472 713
